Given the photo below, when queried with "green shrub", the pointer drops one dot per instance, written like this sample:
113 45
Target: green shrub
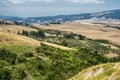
28 54
21 59
5 74
3 63
7 56
20 73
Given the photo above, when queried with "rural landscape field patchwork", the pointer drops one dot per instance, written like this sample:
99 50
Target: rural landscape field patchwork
83 46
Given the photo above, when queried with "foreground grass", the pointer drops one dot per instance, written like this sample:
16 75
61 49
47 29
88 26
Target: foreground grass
19 48
110 70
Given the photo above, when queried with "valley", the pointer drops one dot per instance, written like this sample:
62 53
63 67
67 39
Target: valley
66 47
59 53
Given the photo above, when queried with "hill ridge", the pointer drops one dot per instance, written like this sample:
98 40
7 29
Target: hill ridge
110 14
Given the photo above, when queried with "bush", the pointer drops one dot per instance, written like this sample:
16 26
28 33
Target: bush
26 33
20 73
69 36
28 54
21 59
3 63
102 41
5 74
41 33
81 37
7 56
64 42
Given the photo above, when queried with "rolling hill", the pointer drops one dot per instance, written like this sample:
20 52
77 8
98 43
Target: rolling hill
109 71
59 56
17 43
106 15
89 30
60 51
9 37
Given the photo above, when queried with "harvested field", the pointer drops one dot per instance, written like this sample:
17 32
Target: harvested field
93 31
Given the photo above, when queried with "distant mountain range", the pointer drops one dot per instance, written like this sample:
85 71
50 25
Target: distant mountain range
105 15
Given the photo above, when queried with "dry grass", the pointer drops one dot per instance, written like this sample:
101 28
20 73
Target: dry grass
58 46
100 72
93 31
17 43
111 55
7 39
14 39
15 28
6 36
112 46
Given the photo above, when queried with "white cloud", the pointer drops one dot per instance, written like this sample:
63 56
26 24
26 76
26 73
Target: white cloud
73 1
41 0
22 1
16 1
87 1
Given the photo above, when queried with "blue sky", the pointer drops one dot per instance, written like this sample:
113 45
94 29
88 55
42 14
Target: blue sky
28 8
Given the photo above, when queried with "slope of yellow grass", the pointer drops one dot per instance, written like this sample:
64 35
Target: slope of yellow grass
58 46
14 39
109 71
15 28
7 38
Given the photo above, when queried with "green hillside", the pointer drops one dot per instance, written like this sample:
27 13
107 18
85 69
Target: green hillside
109 71
59 56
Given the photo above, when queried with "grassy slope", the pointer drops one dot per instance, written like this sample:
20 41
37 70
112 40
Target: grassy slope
58 46
15 28
7 38
17 43
100 72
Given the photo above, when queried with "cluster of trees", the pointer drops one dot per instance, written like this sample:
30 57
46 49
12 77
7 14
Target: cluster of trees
7 56
6 22
5 74
8 70
62 38
115 59
64 34
112 26
49 63
74 36
14 23
10 74
21 23
38 34
101 41
61 62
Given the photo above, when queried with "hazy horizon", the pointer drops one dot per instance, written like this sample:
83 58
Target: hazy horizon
37 8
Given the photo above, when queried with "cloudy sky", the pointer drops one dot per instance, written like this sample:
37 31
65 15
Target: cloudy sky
27 8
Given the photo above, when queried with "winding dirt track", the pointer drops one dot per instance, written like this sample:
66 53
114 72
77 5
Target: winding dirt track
58 46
